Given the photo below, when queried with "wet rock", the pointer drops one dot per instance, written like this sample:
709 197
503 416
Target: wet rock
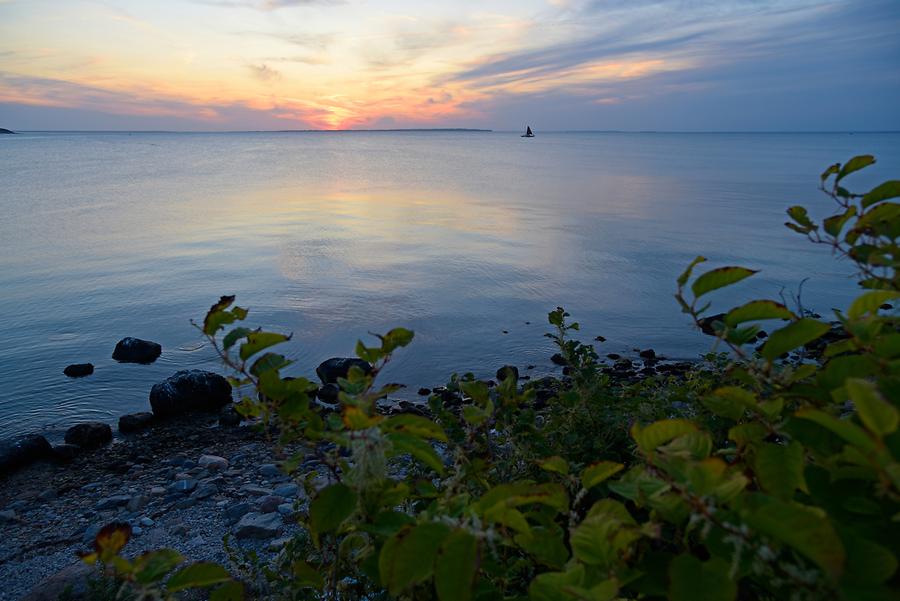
9 516
708 324
135 422
257 491
137 503
648 354
189 390
337 367
424 391
508 371
270 470
599 338
269 503
23 450
79 370
183 486
258 525
288 491
205 490
66 452
229 417
329 394
558 359
135 350
614 356
89 435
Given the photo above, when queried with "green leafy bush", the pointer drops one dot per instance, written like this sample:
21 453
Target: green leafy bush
767 473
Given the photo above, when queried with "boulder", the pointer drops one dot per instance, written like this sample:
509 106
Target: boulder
135 350
329 394
558 359
66 452
135 422
79 370
89 435
338 367
229 417
72 583
23 450
213 462
189 390
258 525
508 371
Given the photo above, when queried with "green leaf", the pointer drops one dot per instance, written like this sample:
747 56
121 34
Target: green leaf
257 341
233 336
879 416
830 171
520 493
870 302
659 433
844 428
885 191
686 275
396 338
269 361
604 534
798 333
551 586
729 401
693 580
418 448
554 464
800 215
230 591
854 164
779 469
597 473
415 425
758 310
803 529
217 317
198 575
456 567
719 278
407 558
151 567
333 505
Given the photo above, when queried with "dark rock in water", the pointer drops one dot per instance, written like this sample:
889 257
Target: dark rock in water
648 354
135 422
189 390
558 359
424 391
89 435
762 334
707 324
614 356
66 452
329 394
886 307
508 371
338 367
135 350
599 338
72 583
23 450
230 418
79 370
6 131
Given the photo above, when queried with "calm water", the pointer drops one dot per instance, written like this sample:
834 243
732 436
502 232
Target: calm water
458 236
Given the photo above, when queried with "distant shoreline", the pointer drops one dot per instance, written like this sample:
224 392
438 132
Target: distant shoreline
447 130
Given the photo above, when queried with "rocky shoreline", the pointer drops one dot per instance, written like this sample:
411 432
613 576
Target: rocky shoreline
184 477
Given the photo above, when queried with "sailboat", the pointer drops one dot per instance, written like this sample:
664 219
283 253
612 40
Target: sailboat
528 133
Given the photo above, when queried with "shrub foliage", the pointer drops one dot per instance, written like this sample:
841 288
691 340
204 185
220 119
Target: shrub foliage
767 472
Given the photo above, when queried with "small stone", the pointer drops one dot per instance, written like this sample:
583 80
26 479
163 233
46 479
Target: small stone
112 502
137 503
269 503
270 470
180 529
157 491
213 462
278 544
137 530
257 491
424 391
79 370
230 418
205 490
288 491
258 525
9 516
92 486
234 513
286 509
66 452
47 495
146 522
186 503
183 486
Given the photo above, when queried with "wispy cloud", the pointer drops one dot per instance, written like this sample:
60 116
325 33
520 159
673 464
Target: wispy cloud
264 72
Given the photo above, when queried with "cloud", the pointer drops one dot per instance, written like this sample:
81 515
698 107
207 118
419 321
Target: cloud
267 5
264 72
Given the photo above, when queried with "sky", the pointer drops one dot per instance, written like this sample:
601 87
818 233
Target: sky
666 65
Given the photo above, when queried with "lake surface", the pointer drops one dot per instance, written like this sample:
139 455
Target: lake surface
463 237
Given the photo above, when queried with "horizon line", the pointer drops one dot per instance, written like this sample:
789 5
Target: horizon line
453 129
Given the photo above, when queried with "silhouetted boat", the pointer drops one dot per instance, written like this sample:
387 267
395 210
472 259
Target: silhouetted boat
528 133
